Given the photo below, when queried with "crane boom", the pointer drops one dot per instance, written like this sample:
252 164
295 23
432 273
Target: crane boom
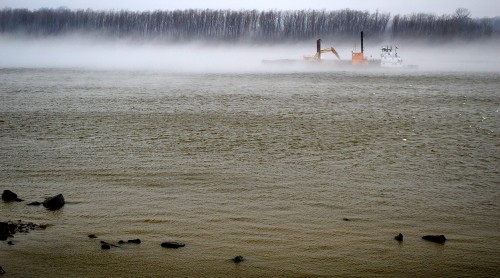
331 50
317 56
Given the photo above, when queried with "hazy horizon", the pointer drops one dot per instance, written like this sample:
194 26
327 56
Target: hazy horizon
92 53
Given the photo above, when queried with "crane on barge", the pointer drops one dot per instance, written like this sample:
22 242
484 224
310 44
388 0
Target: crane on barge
317 56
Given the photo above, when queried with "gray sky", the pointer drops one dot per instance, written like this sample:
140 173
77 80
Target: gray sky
478 8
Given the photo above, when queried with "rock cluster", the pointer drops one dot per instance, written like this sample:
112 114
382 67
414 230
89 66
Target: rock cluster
8 229
168 244
105 245
434 238
52 203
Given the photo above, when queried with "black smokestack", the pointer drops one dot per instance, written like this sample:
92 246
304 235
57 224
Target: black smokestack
361 41
318 48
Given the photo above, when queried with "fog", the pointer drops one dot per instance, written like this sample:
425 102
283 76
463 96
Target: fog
453 56
91 53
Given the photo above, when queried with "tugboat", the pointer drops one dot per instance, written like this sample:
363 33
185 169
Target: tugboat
390 59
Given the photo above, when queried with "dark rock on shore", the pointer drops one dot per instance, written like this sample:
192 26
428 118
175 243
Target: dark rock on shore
9 196
92 236
105 246
7 230
238 259
1 270
54 203
10 242
346 219
171 244
4 231
136 241
438 239
399 237
105 243
34 203
4 236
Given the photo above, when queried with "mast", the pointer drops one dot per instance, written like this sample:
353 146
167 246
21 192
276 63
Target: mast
318 49
361 41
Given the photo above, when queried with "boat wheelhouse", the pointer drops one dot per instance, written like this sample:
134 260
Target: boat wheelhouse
390 58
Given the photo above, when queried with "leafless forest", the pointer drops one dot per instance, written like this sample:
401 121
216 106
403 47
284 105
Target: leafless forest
245 25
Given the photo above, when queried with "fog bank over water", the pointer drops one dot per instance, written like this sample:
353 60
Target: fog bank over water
91 53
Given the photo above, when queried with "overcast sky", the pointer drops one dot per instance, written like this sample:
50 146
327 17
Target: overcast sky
478 8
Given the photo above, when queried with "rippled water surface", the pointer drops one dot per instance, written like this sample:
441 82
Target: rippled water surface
263 165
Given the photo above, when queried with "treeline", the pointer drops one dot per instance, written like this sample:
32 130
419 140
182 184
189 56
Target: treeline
196 24
243 25
458 25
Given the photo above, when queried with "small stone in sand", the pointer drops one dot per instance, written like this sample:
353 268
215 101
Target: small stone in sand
105 246
238 259
438 239
171 244
399 237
